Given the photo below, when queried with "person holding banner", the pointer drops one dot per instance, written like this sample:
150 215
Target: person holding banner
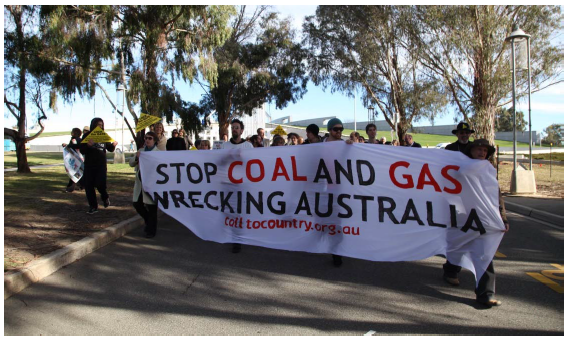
237 142
175 142
335 128
95 167
481 150
143 203
74 143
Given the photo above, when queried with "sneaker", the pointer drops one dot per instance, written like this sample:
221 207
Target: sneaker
488 301
106 202
92 210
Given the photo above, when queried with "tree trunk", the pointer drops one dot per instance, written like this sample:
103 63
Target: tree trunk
484 123
20 139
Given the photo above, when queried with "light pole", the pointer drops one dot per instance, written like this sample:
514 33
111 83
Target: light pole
519 37
120 93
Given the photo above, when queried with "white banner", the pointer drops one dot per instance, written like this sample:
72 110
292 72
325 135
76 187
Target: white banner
74 165
373 202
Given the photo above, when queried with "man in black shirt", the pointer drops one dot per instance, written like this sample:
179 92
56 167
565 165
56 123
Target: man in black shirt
463 133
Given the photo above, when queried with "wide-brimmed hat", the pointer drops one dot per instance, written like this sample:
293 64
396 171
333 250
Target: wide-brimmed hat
480 143
463 126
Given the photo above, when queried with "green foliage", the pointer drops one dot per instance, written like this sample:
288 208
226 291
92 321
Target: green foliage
259 63
465 46
367 47
554 135
505 120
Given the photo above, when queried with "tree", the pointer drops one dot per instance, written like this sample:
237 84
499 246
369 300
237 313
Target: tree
259 63
505 120
554 134
365 46
25 79
153 45
465 46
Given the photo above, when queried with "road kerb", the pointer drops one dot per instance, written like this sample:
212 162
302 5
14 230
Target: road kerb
536 214
17 280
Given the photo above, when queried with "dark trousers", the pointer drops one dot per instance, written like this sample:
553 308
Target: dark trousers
95 177
149 213
486 285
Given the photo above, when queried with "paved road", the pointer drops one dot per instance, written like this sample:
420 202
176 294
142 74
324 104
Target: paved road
177 284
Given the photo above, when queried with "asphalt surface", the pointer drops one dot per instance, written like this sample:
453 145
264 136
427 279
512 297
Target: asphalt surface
177 284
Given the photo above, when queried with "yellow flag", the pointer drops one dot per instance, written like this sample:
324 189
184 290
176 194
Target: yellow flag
98 136
146 120
278 131
192 148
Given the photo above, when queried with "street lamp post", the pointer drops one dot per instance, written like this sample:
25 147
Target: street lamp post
120 93
518 37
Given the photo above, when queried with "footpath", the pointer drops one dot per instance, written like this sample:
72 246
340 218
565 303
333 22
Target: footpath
542 209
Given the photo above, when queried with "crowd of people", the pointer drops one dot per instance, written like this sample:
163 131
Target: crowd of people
95 171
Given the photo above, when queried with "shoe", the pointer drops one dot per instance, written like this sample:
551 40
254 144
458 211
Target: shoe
337 261
452 280
489 302
106 202
92 210
150 235
236 248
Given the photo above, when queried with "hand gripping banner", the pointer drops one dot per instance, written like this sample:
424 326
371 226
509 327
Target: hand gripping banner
374 202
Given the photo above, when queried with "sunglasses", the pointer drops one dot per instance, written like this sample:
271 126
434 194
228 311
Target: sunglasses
338 129
148 138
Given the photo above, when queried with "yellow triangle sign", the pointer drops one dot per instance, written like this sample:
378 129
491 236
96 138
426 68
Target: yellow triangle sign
98 136
146 120
278 131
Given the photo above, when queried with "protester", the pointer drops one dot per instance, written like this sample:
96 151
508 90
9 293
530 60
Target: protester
175 142
86 130
312 134
481 150
292 139
262 135
95 167
205 145
143 203
371 132
198 144
74 143
224 138
354 136
463 133
185 138
361 139
257 141
395 143
162 139
335 128
383 140
236 142
278 141
300 140
408 139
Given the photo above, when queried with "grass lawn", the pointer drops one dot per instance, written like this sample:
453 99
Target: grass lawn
42 158
546 183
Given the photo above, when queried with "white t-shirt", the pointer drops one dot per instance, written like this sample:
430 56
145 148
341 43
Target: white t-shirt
242 145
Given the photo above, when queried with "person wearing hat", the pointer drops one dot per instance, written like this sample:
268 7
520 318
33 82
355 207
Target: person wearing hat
463 133
175 142
480 150
312 134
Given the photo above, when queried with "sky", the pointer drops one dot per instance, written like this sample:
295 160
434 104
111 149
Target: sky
547 105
